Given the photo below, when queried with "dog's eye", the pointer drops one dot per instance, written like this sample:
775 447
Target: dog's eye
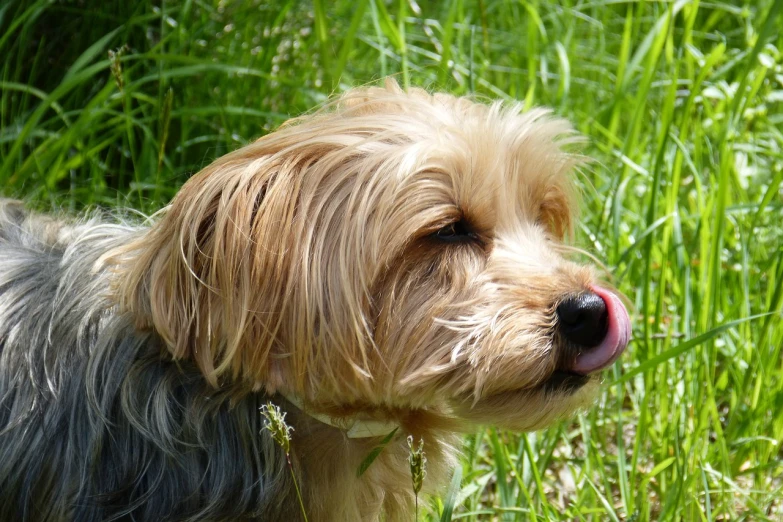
455 231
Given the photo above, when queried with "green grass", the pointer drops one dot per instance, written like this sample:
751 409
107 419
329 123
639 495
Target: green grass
683 105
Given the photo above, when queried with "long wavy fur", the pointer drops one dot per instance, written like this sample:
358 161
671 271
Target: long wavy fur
97 422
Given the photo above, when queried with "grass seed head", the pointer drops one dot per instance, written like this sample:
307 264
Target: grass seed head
418 463
116 65
275 423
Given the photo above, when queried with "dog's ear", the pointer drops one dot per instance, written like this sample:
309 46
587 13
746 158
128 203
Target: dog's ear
547 149
556 206
200 276
252 272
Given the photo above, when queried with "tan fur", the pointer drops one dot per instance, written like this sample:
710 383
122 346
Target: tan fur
304 264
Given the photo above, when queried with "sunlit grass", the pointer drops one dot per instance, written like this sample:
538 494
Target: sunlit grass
681 102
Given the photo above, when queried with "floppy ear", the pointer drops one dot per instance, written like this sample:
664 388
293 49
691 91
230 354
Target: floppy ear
556 208
550 164
200 277
257 269
261 267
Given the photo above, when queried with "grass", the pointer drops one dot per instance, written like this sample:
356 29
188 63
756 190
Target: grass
682 102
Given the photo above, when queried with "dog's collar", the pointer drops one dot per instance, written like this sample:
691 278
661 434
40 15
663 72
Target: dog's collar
354 428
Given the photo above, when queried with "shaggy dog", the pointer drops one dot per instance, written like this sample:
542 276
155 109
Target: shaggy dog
392 262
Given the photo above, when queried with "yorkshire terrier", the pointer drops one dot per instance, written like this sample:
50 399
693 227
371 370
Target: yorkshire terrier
390 266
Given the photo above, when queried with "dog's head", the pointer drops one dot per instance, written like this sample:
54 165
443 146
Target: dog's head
394 250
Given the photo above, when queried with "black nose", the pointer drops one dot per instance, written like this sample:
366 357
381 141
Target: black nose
583 319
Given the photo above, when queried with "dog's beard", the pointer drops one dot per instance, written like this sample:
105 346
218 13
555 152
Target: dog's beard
529 409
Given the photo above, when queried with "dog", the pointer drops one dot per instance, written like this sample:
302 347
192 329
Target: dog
391 265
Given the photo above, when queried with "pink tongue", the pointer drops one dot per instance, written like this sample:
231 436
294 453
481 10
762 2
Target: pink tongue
617 335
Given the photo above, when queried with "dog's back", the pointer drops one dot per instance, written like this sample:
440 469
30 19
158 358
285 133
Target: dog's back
39 374
94 418
52 309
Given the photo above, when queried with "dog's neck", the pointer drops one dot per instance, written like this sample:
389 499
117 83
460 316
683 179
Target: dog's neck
327 463
354 427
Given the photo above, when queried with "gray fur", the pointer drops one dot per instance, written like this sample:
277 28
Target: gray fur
96 421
